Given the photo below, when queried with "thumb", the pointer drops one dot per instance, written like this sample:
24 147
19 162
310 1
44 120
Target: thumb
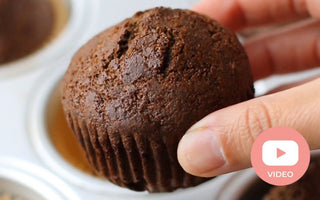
221 142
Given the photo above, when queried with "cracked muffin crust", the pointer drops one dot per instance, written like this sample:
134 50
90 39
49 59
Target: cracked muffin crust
132 91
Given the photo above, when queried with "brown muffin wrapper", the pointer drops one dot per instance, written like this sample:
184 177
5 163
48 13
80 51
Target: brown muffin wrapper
133 161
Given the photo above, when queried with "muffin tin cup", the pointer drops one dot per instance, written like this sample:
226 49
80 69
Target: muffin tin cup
237 185
81 17
27 181
50 156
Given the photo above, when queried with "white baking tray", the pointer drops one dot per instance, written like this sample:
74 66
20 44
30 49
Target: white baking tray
25 86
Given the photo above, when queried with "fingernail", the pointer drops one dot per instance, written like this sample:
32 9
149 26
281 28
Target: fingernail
200 151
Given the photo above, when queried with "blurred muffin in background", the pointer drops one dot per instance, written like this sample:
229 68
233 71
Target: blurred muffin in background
25 26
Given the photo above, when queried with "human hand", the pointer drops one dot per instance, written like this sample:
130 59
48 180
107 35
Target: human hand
221 142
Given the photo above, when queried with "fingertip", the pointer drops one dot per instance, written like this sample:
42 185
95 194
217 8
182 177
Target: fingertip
186 145
314 8
200 153
198 7
204 7
228 13
182 155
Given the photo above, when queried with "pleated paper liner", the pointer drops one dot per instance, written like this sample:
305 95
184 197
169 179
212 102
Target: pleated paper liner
135 160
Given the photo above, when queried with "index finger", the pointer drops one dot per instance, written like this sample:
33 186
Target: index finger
238 14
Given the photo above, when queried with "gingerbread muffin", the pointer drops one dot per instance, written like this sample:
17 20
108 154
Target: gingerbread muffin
24 27
132 91
307 188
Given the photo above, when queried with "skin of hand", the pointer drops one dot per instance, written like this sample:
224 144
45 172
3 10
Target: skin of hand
221 142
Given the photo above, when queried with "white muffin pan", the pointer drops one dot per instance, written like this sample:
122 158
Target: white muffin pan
30 182
30 166
237 185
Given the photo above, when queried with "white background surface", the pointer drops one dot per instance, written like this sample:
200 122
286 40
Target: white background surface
17 91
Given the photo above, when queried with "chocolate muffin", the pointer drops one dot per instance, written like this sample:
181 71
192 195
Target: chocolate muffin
307 188
132 91
24 27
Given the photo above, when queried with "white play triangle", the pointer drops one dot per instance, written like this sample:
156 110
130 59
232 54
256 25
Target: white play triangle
280 153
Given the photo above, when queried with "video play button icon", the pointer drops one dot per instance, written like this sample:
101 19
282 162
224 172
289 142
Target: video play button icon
280 153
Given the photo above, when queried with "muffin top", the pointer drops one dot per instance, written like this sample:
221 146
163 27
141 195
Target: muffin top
157 72
24 27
